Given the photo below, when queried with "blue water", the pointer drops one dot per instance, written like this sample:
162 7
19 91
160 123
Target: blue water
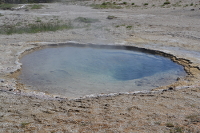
78 71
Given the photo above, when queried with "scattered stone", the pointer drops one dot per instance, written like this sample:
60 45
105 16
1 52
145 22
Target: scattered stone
170 88
164 90
78 100
107 105
178 79
2 80
10 90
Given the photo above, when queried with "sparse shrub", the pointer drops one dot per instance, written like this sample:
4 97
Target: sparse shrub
177 129
145 4
36 6
7 6
166 3
23 125
132 3
38 20
106 5
124 3
1 15
86 20
33 28
169 125
129 27
122 25
27 1
191 4
111 17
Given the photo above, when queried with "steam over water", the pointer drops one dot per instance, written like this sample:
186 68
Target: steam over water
78 71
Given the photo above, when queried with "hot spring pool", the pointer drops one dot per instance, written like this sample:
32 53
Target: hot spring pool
75 71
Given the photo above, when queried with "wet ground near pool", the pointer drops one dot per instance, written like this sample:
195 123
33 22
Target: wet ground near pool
77 71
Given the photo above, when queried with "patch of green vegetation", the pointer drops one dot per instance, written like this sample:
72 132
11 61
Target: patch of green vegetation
111 17
86 20
23 125
191 4
177 130
33 28
124 3
6 6
1 15
169 125
36 6
129 27
136 6
106 5
166 3
132 3
145 4
28 1
38 20
177 4
120 25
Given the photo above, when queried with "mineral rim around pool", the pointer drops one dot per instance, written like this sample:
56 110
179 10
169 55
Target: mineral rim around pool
77 71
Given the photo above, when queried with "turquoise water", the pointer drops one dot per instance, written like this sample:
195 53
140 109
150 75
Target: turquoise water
78 71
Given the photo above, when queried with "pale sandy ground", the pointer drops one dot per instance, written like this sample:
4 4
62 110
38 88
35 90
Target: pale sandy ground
174 30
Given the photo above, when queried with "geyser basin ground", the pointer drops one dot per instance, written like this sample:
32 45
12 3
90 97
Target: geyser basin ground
75 71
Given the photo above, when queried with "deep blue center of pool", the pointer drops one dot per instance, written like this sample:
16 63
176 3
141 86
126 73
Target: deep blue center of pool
77 71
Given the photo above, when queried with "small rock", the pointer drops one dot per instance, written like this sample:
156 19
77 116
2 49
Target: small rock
107 105
178 79
170 88
2 80
164 90
10 90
